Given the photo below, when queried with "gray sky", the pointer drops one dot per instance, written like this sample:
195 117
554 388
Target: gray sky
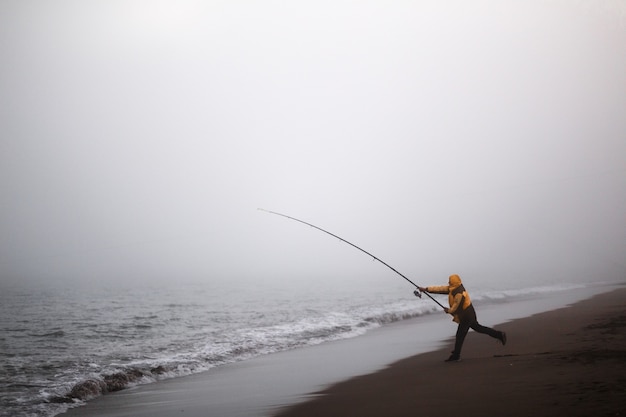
484 138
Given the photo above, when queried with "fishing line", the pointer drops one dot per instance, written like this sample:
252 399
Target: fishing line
416 292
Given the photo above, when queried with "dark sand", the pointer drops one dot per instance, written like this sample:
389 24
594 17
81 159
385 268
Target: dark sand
569 361
566 362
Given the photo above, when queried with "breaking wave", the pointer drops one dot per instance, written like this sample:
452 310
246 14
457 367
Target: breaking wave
50 369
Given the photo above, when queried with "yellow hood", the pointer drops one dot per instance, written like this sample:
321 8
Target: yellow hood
454 281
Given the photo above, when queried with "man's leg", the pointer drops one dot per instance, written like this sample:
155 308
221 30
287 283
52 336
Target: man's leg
461 332
477 327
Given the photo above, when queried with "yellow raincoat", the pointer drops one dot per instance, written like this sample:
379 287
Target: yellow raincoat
458 298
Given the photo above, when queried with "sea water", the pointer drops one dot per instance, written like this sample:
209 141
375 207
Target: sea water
62 346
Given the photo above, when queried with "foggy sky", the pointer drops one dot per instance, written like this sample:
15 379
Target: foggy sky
484 138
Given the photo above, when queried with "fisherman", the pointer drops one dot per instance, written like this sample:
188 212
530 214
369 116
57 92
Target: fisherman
463 312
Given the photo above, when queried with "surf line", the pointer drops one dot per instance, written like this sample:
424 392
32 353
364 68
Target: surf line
416 292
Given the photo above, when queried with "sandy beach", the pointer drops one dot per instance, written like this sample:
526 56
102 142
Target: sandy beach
570 361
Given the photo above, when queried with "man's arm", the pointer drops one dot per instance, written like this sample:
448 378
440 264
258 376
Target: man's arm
437 289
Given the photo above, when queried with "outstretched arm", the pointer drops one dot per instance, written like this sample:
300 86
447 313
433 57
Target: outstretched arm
443 289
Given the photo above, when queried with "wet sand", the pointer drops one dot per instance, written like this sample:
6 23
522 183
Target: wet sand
570 361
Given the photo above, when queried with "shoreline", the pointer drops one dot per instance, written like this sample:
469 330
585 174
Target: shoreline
571 360
271 384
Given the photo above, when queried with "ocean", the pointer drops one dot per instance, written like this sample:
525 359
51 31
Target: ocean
62 346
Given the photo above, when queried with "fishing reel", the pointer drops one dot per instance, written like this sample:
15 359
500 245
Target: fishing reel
417 293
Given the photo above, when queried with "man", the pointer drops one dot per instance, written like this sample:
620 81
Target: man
463 313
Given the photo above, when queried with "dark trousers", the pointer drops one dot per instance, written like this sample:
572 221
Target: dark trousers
468 321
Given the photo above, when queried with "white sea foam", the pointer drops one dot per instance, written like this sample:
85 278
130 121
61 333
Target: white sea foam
64 348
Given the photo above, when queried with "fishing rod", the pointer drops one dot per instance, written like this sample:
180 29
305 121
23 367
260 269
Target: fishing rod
417 292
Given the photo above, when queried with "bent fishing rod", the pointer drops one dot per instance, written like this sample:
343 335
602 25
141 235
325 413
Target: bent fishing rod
417 292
